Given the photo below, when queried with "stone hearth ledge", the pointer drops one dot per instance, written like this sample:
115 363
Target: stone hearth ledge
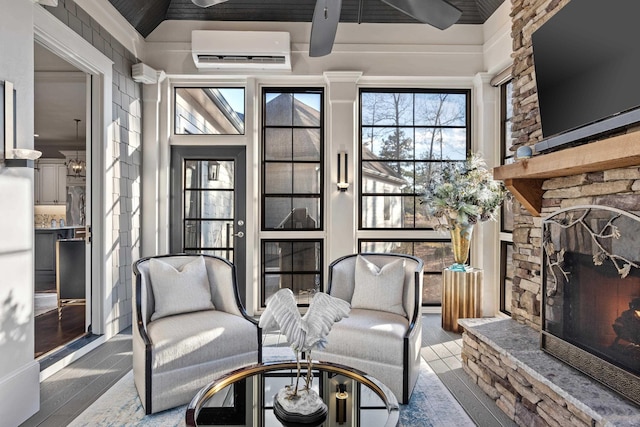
529 378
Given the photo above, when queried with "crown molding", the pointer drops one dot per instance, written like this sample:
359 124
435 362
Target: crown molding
108 16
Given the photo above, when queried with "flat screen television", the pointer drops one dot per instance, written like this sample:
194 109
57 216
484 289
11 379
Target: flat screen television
587 68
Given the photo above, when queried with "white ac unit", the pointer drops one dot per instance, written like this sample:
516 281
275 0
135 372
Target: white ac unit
240 50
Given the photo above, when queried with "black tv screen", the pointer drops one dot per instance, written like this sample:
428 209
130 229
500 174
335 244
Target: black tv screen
587 67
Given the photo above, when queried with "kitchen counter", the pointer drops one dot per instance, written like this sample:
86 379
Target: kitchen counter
66 227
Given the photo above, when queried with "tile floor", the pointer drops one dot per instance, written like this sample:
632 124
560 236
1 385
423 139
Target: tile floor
64 395
442 349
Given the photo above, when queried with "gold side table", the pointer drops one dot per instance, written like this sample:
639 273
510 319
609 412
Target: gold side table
461 297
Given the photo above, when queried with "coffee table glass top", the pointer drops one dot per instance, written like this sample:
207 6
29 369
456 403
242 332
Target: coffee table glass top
245 397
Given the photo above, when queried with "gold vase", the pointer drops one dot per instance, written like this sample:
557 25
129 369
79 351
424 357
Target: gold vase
460 241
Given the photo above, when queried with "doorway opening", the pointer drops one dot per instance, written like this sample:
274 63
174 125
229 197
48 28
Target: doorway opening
62 119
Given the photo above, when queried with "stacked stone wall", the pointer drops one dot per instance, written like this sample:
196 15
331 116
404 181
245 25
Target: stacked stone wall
516 391
526 17
528 401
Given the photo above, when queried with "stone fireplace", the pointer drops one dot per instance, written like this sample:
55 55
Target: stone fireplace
504 356
591 294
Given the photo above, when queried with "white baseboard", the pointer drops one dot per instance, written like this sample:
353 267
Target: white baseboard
20 394
431 309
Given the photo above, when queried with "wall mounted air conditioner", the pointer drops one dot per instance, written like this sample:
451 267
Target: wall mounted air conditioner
241 50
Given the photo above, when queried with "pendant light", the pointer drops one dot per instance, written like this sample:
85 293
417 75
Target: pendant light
76 167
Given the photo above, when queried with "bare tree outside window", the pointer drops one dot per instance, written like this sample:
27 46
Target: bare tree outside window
404 136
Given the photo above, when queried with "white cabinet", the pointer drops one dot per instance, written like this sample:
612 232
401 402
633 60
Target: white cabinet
51 183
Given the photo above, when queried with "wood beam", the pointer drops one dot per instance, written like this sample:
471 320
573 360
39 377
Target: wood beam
524 178
528 192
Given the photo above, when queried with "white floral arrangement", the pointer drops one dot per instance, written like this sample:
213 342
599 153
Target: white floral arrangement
463 193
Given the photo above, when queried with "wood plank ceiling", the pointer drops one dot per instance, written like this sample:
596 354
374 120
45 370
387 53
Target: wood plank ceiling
146 15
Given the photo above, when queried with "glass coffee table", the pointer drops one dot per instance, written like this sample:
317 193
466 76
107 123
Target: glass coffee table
245 397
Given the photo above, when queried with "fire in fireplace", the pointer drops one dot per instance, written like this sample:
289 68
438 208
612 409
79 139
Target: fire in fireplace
591 294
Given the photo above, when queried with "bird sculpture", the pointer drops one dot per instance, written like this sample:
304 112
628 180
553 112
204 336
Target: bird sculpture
304 333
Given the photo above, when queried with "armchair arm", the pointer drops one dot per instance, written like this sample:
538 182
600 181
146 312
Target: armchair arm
414 318
140 315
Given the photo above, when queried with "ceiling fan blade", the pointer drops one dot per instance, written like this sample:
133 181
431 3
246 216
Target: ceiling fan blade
324 26
437 13
207 3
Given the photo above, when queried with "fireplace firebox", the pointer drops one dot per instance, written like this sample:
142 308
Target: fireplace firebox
591 294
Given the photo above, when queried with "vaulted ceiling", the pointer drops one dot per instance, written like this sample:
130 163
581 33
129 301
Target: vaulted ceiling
145 15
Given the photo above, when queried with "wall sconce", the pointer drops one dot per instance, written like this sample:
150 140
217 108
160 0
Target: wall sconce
341 404
214 170
343 171
9 153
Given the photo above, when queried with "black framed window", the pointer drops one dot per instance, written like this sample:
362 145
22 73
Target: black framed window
435 254
507 211
507 153
292 159
295 264
208 208
506 276
405 134
292 190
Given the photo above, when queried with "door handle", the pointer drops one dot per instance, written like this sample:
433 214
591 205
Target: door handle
239 234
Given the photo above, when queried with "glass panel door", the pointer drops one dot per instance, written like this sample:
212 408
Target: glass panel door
208 203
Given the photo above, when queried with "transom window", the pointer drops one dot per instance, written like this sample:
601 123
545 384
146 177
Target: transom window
209 111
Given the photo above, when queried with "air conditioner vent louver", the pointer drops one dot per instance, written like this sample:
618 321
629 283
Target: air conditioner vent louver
240 59
241 50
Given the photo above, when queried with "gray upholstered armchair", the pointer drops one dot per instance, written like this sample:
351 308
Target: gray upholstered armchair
383 334
192 329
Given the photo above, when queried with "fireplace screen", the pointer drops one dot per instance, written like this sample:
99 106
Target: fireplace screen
591 294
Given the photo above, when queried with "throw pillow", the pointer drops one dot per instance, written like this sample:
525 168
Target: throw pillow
179 291
379 288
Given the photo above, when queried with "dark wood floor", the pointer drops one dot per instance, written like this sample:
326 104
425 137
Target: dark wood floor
52 331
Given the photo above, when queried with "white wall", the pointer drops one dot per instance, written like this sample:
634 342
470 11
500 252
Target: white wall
498 44
373 49
20 23
19 373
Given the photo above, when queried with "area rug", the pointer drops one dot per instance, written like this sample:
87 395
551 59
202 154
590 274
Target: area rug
431 404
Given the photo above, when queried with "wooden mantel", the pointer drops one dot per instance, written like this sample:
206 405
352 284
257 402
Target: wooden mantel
524 178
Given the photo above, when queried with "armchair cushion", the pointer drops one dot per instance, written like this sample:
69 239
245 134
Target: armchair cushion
193 339
363 332
379 289
179 291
